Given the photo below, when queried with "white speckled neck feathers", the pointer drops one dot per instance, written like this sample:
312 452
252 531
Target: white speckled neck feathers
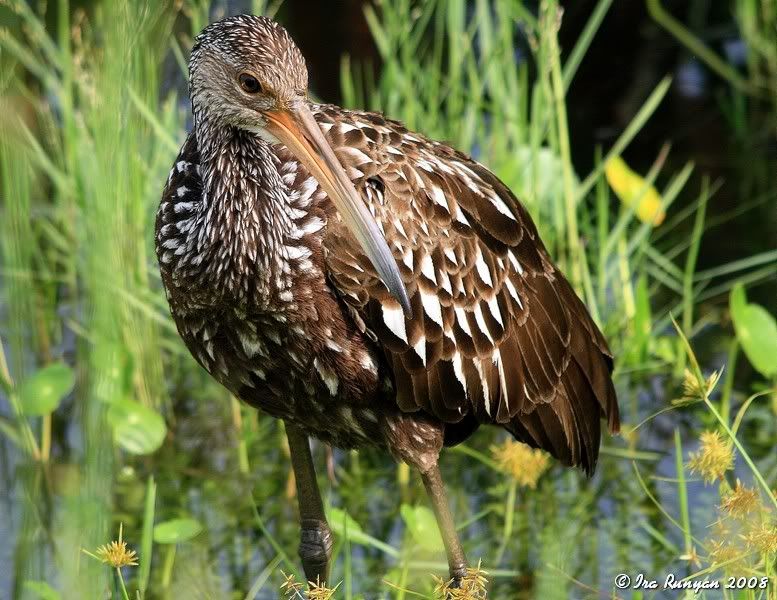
235 228
244 214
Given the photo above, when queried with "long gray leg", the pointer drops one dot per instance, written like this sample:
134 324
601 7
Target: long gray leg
457 562
315 547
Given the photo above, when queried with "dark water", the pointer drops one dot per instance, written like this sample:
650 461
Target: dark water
594 529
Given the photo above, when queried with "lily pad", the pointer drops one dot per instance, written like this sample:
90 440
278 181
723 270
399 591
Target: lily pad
342 524
756 331
176 531
42 590
43 391
136 427
422 525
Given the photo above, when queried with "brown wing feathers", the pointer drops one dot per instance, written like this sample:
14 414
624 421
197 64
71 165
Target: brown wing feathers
497 333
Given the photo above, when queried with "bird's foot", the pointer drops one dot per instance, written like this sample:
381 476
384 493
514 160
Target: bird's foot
315 549
457 574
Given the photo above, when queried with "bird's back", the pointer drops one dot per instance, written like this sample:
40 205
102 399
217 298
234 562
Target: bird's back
497 333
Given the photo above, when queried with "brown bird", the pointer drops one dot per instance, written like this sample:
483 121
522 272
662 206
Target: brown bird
367 285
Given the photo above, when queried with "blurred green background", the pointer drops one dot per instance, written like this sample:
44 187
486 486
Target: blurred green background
641 136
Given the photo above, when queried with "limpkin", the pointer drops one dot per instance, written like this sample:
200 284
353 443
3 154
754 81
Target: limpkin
364 283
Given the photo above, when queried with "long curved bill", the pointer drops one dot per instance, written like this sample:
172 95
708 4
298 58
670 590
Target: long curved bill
298 130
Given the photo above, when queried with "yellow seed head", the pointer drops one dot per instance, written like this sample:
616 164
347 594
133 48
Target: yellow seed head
320 592
117 555
694 390
525 464
722 552
290 587
741 500
293 590
713 459
763 538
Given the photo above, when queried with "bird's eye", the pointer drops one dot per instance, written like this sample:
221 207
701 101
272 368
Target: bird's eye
249 83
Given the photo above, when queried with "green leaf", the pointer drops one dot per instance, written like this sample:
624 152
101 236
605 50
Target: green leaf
111 360
756 331
42 393
642 320
738 300
136 428
42 590
343 524
147 537
176 531
422 526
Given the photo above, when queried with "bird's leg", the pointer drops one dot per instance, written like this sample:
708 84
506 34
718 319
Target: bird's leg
417 441
457 562
315 547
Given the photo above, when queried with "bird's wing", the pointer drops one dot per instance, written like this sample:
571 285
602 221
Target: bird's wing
496 332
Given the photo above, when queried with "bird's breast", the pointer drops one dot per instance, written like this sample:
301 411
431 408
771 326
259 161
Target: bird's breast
318 371
240 245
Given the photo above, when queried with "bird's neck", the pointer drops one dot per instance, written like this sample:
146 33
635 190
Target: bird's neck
244 217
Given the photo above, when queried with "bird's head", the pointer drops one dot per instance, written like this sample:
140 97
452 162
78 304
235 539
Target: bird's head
246 72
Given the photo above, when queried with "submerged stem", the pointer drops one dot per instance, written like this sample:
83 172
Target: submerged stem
120 577
507 530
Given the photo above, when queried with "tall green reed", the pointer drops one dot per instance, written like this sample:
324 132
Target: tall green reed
84 233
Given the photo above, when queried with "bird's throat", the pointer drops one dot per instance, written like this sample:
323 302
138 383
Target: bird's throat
244 217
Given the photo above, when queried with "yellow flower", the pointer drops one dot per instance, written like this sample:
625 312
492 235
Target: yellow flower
472 586
631 187
713 459
741 500
525 464
116 553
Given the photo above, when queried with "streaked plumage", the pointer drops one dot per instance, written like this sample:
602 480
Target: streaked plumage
278 302
364 283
